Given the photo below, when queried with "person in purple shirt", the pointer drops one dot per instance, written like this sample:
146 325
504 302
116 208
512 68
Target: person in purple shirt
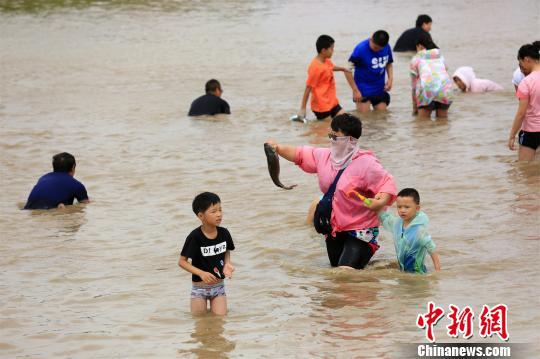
58 188
372 61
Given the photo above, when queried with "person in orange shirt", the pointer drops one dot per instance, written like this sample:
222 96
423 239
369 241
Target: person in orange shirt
321 84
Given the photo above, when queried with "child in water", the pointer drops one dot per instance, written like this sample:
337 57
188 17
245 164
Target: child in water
527 118
208 247
321 84
431 85
411 238
466 81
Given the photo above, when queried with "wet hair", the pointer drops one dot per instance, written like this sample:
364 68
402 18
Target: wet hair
410 192
423 19
348 124
530 50
212 85
425 40
203 201
63 162
324 42
380 37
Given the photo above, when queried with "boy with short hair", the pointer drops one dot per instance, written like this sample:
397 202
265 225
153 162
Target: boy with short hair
208 246
321 84
407 40
211 103
372 60
58 188
411 238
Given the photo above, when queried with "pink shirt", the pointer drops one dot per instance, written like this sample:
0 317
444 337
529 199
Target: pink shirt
529 89
364 174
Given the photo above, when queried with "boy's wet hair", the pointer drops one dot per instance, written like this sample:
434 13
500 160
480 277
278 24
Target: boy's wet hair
212 85
425 40
63 162
348 124
410 192
529 50
423 19
203 201
380 37
324 42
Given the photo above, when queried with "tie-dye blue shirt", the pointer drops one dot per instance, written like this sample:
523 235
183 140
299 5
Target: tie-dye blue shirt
411 243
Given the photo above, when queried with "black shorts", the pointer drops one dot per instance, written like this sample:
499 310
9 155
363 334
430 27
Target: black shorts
435 105
375 100
346 250
529 139
332 113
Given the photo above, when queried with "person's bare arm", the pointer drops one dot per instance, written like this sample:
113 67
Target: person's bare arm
390 72
518 120
357 95
414 104
305 98
436 261
228 268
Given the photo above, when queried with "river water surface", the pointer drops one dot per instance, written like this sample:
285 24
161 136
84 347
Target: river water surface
111 82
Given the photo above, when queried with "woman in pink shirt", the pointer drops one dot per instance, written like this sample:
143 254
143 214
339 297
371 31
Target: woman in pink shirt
353 240
527 119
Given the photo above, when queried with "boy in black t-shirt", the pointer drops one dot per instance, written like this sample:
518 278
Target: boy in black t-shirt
208 247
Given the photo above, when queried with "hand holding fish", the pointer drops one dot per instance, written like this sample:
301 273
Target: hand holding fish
272 149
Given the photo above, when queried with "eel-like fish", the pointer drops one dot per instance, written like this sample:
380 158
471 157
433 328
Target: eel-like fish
273 166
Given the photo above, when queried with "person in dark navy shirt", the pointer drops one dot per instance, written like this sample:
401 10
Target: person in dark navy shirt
58 188
211 103
407 40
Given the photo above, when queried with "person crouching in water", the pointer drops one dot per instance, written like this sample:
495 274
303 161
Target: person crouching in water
431 85
466 81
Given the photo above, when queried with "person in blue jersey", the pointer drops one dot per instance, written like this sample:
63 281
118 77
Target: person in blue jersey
373 73
58 188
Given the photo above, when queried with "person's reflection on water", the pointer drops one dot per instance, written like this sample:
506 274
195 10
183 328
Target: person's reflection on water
525 179
208 333
64 222
344 295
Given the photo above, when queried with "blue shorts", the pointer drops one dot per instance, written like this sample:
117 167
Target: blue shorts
207 291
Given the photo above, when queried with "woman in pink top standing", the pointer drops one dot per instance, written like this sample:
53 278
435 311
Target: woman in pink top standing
527 119
353 240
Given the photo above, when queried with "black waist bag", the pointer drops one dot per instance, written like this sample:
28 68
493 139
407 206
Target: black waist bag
323 211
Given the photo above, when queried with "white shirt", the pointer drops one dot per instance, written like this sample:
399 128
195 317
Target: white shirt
517 77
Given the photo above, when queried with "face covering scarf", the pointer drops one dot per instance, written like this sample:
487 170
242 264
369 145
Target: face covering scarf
342 150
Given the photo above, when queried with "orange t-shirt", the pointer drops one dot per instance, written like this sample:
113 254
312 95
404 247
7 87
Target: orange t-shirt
323 87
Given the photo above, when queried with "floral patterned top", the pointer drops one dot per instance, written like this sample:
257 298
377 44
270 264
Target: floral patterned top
430 80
